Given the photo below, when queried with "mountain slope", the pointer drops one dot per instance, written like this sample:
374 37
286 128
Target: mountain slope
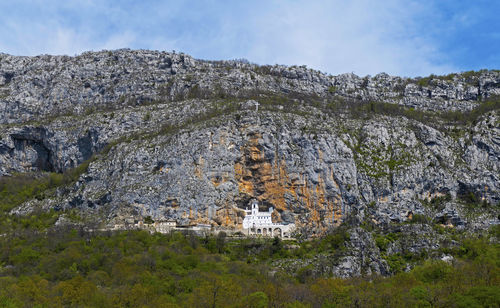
166 136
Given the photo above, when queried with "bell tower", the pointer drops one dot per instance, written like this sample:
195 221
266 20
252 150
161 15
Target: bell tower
255 207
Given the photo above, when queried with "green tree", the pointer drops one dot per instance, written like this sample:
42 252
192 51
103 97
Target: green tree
216 291
78 292
331 291
220 243
255 300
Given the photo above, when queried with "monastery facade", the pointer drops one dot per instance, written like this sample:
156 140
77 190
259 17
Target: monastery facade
260 223
255 223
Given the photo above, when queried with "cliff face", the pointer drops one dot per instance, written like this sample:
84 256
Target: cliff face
45 86
314 172
172 137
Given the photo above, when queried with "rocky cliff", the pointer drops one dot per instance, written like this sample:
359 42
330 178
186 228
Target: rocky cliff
172 137
45 86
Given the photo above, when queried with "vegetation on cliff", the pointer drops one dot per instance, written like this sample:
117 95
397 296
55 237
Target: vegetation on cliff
382 175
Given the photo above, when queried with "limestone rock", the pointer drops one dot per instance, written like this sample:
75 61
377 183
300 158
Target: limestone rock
177 138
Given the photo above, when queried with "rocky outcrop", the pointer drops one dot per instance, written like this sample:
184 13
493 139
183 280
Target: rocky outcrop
314 172
176 138
360 256
44 86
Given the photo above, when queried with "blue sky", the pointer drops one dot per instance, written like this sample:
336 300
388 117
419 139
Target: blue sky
408 38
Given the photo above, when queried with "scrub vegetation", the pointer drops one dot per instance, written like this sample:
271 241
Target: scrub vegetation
73 268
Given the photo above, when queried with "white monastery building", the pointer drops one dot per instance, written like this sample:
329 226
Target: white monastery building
260 223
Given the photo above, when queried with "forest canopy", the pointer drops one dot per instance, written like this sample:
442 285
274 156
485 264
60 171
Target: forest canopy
135 268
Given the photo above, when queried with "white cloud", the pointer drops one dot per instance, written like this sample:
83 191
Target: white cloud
361 36
122 40
64 41
365 37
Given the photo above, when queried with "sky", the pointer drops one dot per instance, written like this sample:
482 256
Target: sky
366 37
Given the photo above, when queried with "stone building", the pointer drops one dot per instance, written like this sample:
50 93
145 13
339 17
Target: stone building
164 226
260 223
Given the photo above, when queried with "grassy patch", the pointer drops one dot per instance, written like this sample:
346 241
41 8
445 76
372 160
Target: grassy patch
19 188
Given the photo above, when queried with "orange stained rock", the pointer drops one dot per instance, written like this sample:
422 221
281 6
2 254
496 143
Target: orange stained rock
383 199
431 196
254 139
255 154
245 186
217 180
173 203
201 220
228 217
320 191
270 182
